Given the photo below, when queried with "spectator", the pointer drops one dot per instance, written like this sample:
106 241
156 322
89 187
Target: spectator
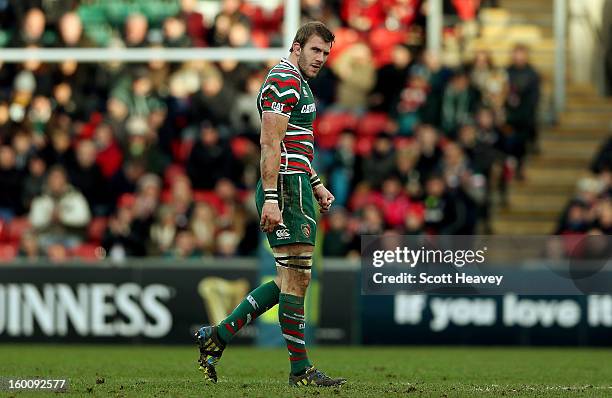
580 212
431 68
212 154
444 214
32 30
523 96
194 22
39 116
244 116
57 253
147 201
212 102
343 168
492 83
163 231
175 33
60 151
109 156
125 180
142 146
185 246
380 163
363 15
356 74
87 177
136 31
337 239
227 243
412 98
389 78
467 187
61 214
24 149
34 181
182 201
71 31
427 139
603 218
401 13
458 103
229 15
203 227
10 184
370 222
405 169
240 35
576 220
29 249
140 100
414 221
486 161
120 238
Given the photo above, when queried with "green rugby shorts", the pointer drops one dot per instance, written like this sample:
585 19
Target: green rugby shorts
296 202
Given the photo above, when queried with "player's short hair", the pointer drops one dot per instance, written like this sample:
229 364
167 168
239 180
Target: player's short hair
313 28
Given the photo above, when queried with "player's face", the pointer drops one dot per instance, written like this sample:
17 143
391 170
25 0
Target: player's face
313 55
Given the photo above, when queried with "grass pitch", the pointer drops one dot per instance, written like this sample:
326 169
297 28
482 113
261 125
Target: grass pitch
137 371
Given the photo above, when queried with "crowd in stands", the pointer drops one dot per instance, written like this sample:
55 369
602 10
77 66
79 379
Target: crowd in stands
123 160
590 210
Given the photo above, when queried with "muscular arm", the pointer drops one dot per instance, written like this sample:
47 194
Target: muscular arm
273 128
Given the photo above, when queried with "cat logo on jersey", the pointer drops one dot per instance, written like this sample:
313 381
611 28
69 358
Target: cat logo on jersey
309 108
277 107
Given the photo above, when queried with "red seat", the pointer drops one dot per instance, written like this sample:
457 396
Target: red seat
7 253
17 227
363 145
95 231
181 149
372 123
3 231
88 252
329 126
240 146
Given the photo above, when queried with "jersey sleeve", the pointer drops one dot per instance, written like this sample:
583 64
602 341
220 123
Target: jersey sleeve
280 93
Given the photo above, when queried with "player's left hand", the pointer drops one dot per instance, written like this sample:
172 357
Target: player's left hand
324 197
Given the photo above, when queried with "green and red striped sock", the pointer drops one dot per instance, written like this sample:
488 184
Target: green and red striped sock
254 304
292 323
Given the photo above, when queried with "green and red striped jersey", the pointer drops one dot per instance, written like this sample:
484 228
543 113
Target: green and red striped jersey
287 93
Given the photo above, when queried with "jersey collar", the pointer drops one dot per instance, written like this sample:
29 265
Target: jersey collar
286 61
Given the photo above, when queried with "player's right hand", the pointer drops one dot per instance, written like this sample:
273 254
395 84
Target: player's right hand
270 217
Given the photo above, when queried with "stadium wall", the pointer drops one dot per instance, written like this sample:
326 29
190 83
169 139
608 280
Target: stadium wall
163 302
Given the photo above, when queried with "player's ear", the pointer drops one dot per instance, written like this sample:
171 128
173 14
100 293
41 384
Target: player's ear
296 48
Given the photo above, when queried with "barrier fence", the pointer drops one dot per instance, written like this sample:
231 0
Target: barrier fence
162 302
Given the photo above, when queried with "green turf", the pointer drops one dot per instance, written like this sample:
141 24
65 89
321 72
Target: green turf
124 371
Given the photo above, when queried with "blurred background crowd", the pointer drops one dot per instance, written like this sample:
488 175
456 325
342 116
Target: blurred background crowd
162 158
